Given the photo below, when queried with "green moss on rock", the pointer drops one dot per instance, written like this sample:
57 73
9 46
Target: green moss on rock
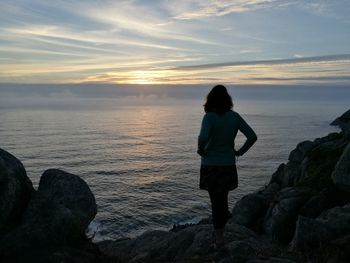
320 165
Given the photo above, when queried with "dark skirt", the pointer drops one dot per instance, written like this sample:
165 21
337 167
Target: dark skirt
218 178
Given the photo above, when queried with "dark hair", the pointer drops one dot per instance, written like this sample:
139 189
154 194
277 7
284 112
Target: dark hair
218 100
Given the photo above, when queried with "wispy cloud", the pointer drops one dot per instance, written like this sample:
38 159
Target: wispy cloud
318 59
207 8
185 41
326 69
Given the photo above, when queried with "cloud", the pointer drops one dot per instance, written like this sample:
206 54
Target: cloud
206 8
342 57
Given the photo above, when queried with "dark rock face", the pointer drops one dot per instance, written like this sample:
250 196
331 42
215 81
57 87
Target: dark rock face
299 153
341 174
312 234
55 220
310 206
253 206
344 123
315 205
15 191
279 222
321 163
343 119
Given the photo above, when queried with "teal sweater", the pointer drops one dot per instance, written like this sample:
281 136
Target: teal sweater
216 140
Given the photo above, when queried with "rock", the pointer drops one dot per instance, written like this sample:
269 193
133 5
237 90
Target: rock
315 205
310 234
271 260
252 207
343 119
150 246
299 153
248 209
59 189
329 138
339 249
291 174
15 191
338 219
320 164
287 174
241 251
344 123
278 175
341 173
57 216
86 253
191 244
313 234
279 221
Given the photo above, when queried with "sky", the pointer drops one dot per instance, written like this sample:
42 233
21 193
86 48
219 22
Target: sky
242 42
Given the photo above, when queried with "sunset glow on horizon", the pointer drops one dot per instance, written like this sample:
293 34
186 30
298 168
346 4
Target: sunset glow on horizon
175 42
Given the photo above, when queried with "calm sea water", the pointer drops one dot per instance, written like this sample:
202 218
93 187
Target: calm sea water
140 160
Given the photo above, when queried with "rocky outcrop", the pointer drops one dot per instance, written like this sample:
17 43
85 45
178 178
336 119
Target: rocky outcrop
310 211
52 221
341 174
344 123
279 220
15 191
315 236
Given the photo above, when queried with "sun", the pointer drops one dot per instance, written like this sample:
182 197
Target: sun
143 77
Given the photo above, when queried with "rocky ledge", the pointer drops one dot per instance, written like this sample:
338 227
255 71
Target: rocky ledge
301 215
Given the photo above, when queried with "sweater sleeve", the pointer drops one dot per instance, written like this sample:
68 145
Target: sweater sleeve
249 134
204 134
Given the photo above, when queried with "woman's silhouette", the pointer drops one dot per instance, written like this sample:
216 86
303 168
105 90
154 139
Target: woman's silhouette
218 174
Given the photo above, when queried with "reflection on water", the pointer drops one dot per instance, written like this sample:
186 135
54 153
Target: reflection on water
141 162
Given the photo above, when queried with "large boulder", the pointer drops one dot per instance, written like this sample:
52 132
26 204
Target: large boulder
279 222
15 191
251 208
287 174
299 153
312 234
341 173
315 205
62 190
317 168
56 216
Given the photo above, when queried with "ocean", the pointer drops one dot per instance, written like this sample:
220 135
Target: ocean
140 159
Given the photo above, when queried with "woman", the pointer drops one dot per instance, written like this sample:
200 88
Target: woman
218 174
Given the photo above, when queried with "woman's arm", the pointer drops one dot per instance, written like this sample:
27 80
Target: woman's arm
204 135
249 134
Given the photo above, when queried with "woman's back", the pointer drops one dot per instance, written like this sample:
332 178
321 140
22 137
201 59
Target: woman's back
217 136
